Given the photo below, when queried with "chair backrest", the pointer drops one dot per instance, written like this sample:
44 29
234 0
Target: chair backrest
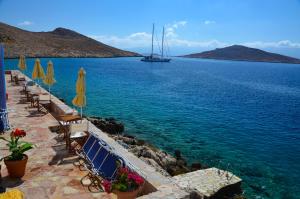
79 127
109 167
30 83
103 143
100 157
88 143
94 150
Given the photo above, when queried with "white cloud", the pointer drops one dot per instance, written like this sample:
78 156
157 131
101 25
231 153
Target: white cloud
170 32
198 44
171 28
138 39
278 44
140 35
179 23
25 23
142 39
208 22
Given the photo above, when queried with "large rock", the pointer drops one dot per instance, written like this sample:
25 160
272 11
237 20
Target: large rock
156 166
166 162
108 125
148 153
210 183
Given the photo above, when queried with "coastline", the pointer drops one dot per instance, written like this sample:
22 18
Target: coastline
195 58
241 60
165 163
61 57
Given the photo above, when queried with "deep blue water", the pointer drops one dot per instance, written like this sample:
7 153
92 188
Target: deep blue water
240 116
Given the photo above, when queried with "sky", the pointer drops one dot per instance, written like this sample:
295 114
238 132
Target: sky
191 26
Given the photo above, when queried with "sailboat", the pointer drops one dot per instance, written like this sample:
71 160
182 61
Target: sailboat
155 58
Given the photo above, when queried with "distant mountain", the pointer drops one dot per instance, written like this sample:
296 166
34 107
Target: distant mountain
243 53
60 42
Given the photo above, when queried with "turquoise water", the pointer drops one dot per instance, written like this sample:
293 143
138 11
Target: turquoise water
240 116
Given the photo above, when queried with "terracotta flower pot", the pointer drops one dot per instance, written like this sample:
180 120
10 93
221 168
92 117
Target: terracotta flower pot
16 168
127 195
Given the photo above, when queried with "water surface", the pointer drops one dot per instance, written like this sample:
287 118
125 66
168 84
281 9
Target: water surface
240 116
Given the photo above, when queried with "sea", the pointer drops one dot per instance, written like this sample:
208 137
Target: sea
240 116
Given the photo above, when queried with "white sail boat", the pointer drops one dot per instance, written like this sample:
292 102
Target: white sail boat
155 58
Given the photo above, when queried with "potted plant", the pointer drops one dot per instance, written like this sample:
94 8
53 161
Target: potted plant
16 161
126 186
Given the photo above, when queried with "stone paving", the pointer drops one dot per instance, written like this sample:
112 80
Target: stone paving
50 172
208 182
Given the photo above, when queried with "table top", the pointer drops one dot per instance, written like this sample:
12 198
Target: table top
44 97
69 118
34 90
78 134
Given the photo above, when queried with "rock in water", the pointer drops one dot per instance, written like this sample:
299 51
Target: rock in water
196 166
162 161
108 125
177 154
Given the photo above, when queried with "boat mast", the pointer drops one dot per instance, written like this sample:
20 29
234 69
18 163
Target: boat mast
162 43
152 40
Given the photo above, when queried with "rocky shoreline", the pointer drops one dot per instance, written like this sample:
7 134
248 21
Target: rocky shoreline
166 164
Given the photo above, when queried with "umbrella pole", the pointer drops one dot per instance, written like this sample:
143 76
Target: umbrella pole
49 93
38 84
81 112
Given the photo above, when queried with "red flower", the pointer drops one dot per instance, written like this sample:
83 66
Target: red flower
136 178
123 170
18 133
107 186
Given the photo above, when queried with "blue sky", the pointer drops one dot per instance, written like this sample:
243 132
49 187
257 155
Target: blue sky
191 25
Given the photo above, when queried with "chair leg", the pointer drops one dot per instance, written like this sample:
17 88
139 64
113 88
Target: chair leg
96 185
67 143
87 176
81 164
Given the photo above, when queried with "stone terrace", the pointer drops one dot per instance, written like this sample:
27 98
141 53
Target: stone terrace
50 172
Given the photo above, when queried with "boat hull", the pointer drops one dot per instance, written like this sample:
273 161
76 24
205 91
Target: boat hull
146 59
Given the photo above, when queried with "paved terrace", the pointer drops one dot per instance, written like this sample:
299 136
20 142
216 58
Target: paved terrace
50 171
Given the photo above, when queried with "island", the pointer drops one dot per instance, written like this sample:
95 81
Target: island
243 53
60 42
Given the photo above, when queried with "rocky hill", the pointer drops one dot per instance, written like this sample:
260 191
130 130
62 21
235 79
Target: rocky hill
243 53
60 42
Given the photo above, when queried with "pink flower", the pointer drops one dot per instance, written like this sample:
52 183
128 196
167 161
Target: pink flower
107 186
123 170
136 178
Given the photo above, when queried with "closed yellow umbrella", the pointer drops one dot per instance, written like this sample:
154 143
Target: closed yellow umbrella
22 63
49 79
80 99
38 71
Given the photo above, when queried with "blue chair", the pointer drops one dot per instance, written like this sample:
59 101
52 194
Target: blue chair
87 146
107 169
87 152
93 152
100 157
